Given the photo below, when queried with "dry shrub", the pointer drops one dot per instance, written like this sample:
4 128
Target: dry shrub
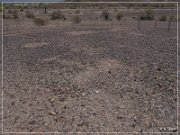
77 11
172 18
76 19
57 15
10 11
163 18
15 14
29 14
119 16
147 15
40 21
105 14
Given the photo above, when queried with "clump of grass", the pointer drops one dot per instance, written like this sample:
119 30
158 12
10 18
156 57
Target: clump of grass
119 16
163 18
15 14
29 14
40 21
57 15
105 14
76 19
147 15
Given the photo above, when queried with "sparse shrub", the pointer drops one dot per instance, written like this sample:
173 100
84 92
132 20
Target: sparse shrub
57 15
1 8
172 18
147 15
39 21
163 18
77 12
119 16
76 19
5 16
29 14
22 9
105 14
10 11
15 14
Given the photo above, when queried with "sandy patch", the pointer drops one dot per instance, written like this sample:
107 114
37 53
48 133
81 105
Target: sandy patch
49 59
102 66
35 45
77 33
88 50
137 34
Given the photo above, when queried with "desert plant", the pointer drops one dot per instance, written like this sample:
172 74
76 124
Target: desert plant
119 16
172 18
5 16
76 19
77 11
22 9
147 15
57 15
105 14
15 14
39 21
163 18
29 14
10 11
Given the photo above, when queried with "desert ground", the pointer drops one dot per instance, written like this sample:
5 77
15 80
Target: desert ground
93 76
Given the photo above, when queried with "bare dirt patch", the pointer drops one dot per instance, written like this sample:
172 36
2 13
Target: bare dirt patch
35 45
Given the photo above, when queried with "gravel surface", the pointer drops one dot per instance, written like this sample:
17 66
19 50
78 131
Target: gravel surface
91 77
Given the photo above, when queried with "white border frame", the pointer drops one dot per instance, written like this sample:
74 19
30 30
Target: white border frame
2 130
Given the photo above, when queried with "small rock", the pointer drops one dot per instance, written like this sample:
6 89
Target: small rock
162 128
61 98
52 112
172 129
46 124
52 100
97 91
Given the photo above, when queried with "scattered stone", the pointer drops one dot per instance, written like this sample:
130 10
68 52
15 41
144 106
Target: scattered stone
52 112
62 98
97 91
162 129
52 100
172 129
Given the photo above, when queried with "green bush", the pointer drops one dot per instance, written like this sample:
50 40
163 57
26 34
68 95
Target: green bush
163 18
39 21
29 14
76 19
119 16
57 15
105 14
147 15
